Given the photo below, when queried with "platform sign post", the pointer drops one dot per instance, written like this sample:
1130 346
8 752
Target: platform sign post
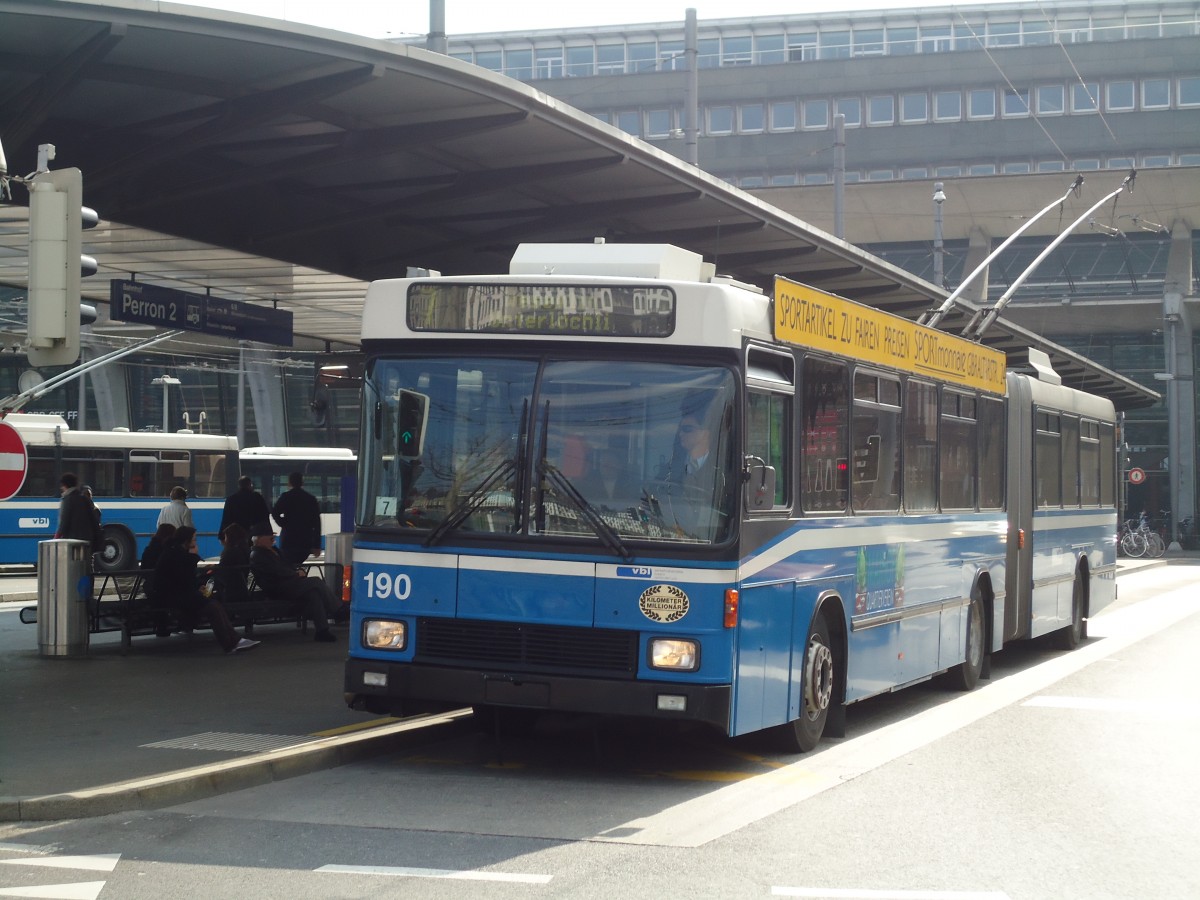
14 461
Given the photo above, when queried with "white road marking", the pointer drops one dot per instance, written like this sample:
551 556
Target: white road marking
454 874
718 813
865 894
83 890
102 862
1175 709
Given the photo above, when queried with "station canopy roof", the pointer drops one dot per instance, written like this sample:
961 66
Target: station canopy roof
274 162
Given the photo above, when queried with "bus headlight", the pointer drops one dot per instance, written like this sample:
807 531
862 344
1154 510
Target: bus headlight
675 654
385 634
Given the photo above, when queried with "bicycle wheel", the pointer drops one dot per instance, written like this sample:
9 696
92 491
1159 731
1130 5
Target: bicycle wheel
1155 546
1133 544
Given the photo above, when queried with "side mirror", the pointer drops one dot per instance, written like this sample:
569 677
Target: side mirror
760 484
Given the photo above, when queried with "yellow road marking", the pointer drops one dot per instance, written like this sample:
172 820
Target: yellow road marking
359 726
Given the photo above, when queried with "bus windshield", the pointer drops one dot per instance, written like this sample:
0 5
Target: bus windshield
608 450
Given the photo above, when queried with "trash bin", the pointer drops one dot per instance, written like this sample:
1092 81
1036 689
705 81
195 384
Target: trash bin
64 593
338 549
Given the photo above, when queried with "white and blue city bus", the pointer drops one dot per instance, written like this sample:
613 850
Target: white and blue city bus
131 474
325 469
873 502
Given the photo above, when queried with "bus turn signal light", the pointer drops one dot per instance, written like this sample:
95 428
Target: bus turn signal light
731 608
346 581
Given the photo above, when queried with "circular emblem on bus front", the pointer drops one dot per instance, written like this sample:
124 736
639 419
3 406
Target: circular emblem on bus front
663 603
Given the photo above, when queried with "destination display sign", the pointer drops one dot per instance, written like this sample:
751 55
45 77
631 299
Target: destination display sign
151 304
596 310
814 318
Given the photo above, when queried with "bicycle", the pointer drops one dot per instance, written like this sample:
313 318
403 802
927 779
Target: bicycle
1155 545
1130 540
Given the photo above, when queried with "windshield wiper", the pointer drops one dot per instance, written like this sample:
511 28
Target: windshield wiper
472 502
607 534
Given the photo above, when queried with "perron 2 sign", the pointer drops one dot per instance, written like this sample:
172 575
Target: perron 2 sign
150 304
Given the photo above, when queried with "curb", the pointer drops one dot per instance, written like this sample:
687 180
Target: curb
200 782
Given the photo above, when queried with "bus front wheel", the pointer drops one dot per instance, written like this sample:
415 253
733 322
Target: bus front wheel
966 676
118 550
804 733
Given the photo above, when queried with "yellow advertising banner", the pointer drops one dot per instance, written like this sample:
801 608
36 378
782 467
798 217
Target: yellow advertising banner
813 318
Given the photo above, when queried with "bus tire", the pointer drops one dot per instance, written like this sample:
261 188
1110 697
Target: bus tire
1070 637
964 677
118 550
817 685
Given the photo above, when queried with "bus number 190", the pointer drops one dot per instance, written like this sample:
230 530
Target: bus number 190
382 586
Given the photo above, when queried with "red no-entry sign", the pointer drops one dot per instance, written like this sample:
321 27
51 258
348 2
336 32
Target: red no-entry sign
14 461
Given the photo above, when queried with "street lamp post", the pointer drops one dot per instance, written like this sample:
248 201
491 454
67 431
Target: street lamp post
939 197
166 381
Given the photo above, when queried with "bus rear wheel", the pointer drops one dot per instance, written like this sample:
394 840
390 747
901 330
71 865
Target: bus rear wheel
118 550
804 733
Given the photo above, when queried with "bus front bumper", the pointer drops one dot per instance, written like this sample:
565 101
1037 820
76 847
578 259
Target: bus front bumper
404 689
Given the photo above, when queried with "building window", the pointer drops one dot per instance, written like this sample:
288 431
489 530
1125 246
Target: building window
643 57
610 59
720 120
490 59
802 47
967 36
834 45
768 48
914 108
1118 96
752 117
581 61
1108 29
868 42
816 114
629 122
1004 34
936 39
753 181
548 62
518 64
1051 165
1074 31
947 171
671 56
737 51
1016 103
817 178
1035 33
1178 26
1156 93
1085 97
1016 168
914 172
1189 159
947 106
982 104
880 175
1188 91
982 169
1119 162
1085 165
708 53
783 115
1142 26
658 123
902 41
784 180
1051 100
851 108
881 110
1156 160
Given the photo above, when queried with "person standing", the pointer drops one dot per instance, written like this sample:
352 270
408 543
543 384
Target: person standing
245 507
77 516
176 512
299 518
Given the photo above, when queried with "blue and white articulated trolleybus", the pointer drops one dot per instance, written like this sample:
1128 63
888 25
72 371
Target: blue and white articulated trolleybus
611 482
131 474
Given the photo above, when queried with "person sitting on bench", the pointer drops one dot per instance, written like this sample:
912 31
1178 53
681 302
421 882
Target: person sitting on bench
279 578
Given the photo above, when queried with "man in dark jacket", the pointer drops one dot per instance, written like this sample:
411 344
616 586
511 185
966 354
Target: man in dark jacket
77 519
245 506
279 578
299 519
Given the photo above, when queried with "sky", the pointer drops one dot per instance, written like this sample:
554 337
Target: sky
397 18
